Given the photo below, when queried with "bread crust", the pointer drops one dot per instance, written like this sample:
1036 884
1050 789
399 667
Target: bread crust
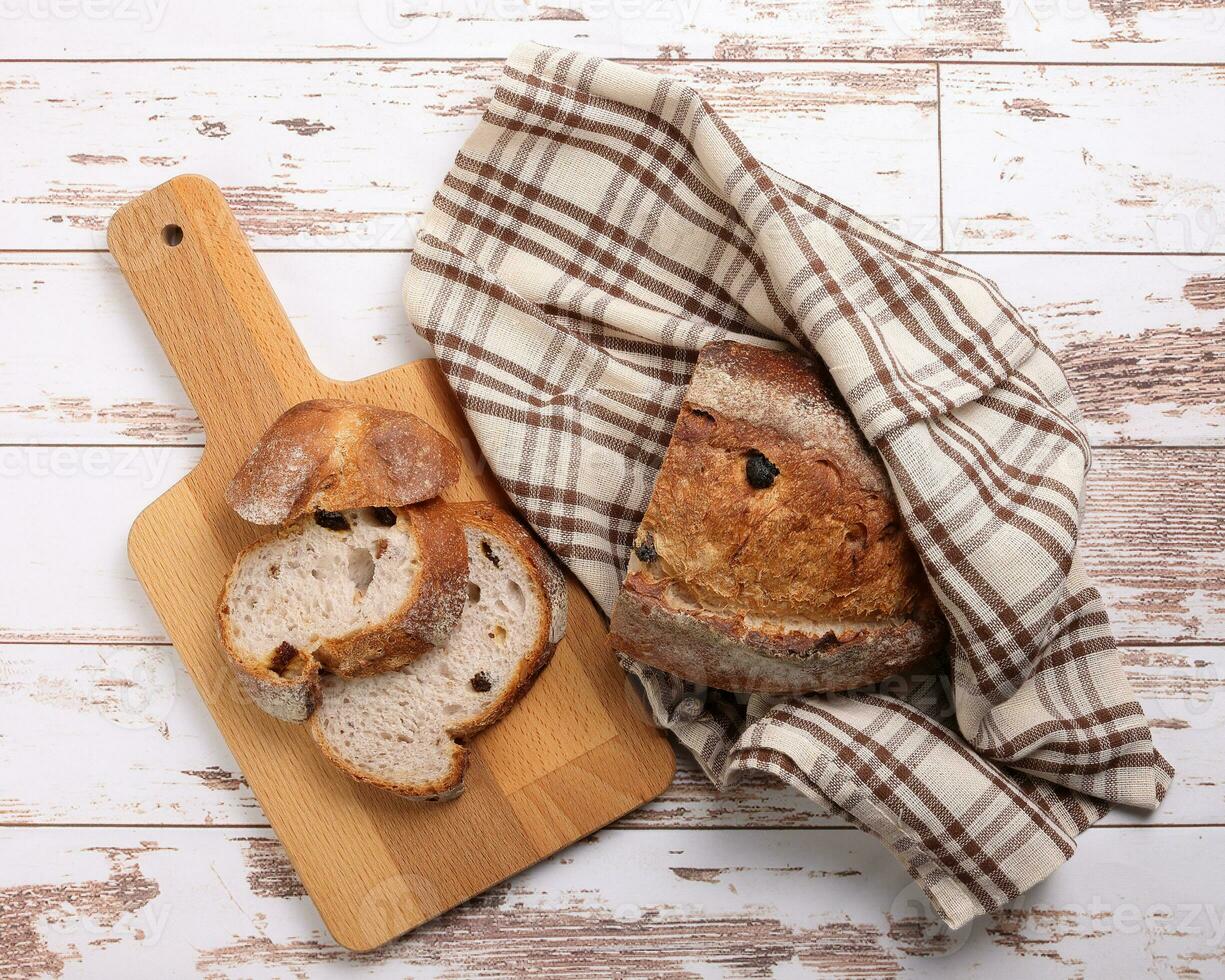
425 618
549 586
724 652
329 454
773 554
446 787
427 615
292 695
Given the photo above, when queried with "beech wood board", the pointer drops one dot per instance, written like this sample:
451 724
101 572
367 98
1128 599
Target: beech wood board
575 754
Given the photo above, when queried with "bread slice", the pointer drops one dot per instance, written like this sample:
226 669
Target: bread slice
359 591
772 556
404 731
335 455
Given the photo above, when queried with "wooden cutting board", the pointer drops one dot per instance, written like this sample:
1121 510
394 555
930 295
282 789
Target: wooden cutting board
577 753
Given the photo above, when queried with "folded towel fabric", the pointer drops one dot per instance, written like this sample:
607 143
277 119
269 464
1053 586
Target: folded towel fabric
602 225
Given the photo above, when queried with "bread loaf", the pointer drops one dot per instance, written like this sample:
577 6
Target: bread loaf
335 455
772 556
404 730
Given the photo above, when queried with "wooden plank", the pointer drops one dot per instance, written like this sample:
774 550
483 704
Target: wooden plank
86 577
1147 30
1070 158
74 312
1154 541
1135 334
348 155
1130 330
155 756
669 904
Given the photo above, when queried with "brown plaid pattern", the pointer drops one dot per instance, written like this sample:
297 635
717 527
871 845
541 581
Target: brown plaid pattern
602 225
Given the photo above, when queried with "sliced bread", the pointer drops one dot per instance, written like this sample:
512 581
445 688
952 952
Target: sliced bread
335 455
404 730
772 556
354 592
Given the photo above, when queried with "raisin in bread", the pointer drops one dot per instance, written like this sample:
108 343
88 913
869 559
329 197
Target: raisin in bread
354 592
772 556
404 730
335 455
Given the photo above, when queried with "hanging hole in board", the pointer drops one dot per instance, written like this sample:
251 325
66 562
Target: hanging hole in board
172 235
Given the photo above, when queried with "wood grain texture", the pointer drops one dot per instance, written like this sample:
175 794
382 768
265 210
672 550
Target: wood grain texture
1094 30
550 773
72 312
156 758
1154 541
1139 337
1061 158
1133 332
670 905
348 155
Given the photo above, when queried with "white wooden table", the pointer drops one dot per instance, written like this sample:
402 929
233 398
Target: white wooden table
1074 150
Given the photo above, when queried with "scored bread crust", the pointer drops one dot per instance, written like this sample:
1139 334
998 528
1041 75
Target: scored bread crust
803 582
549 587
335 455
424 619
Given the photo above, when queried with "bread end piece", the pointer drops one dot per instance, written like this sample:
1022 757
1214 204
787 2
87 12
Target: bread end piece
291 696
334 455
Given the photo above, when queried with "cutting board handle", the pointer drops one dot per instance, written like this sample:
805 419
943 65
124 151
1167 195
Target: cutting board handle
207 300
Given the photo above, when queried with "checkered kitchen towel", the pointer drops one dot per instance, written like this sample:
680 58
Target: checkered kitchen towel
602 225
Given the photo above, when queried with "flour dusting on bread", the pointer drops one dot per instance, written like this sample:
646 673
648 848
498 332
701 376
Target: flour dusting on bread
335 455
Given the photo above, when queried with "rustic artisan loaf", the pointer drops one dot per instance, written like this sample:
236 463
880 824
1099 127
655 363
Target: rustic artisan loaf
353 591
771 556
335 455
404 730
